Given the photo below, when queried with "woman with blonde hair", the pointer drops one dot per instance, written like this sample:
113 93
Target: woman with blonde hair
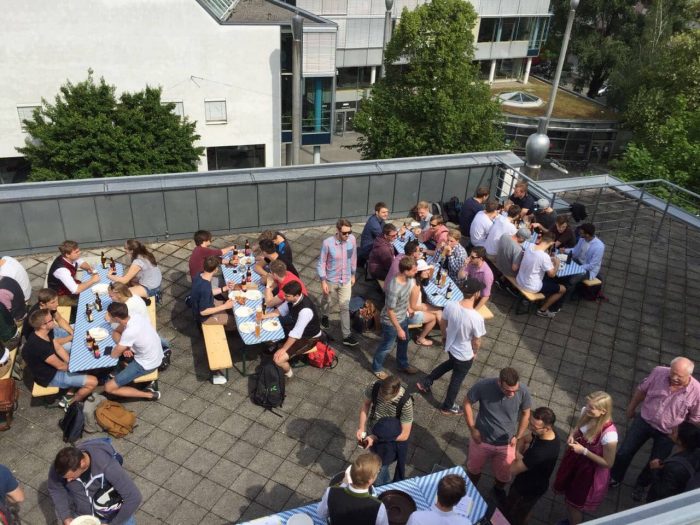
121 293
584 471
143 276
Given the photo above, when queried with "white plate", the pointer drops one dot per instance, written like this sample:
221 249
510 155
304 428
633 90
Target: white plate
300 519
415 224
247 327
243 311
253 295
98 333
234 294
271 325
86 520
100 288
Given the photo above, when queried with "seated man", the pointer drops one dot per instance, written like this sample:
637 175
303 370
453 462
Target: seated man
470 208
137 340
482 223
351 502
477 268
276 280
202 250
205 308
62 273
451 489
522 198
268 254
588 252
436 235
537 272
47 299
424 215
510 252
563 234
11 267
545 216
382 254
372 230
284 249
9 335
12 297
503 224
305 322
79 472
48 361
456 255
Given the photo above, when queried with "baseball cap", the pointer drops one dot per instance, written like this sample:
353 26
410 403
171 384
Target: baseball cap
471 286
542 204
422 265
523 233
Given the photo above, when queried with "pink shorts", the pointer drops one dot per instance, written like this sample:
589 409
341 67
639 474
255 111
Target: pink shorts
501 457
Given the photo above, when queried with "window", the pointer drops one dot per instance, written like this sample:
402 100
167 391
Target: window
487 29
236 157
508 26
179 108
354 77
215 111
25 113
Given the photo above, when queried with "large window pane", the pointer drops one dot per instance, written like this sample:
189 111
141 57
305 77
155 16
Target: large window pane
487 29
508 26
316 105
236 157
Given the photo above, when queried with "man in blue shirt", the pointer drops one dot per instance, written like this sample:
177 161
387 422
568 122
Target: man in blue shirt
470 208
588 252
372 230
205 308
10 490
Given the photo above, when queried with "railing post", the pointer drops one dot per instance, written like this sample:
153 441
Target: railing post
639 205
668 203
595 208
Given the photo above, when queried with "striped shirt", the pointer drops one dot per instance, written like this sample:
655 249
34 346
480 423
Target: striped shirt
338 260
388 408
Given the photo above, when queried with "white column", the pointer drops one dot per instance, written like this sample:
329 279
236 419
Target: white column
526 76
317 154
373 75
492 73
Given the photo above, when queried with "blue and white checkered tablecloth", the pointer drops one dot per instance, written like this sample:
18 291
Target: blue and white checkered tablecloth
422 489
81 358
237 277
437 296
399 244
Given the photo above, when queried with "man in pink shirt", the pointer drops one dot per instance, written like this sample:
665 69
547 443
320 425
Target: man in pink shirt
477 268
668 396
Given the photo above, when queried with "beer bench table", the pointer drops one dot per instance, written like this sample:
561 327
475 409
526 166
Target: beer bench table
422 489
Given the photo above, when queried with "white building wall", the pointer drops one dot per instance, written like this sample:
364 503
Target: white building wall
174 44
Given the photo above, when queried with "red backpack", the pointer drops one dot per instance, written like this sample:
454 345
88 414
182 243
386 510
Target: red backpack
323 357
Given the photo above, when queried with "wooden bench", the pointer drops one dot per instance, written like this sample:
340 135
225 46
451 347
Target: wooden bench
485 312
592 282
531 297
43 391
11 360
149 378
152 312
216 345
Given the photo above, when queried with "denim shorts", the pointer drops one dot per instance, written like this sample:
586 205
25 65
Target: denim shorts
67 380
131 372
416 318
150 292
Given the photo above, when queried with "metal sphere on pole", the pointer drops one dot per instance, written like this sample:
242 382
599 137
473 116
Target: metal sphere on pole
387 33
297 36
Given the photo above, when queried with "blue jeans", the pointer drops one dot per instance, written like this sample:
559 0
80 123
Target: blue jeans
389 337
460 369
638 433
131 372
383 477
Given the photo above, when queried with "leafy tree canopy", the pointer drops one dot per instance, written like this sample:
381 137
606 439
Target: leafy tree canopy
88 133
436 104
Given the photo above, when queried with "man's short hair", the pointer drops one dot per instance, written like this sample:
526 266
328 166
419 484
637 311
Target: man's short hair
365 468
342 222
423 205
278 268
481 192
67 459
547 237
389 387
563 219
45 295
438 219
514 211
455 234
380 205
480 251
588 228
118 310
523 234
267 234
38 318
521 185
388 228
406 263
451 489
67 247
201 236
509 376
411 247
546 415
491 206
267 246
211 263
292 288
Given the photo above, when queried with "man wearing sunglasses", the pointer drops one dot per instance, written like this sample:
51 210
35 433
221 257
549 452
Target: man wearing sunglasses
336 268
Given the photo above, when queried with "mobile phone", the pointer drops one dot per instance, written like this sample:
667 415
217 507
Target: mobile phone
108 350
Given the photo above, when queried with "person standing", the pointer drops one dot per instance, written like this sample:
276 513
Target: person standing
584 471
668 396
372 230
336 268
504 412
534 463
451 489
394 320
470 208
462 329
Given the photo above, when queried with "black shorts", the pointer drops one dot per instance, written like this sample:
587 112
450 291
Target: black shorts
549 286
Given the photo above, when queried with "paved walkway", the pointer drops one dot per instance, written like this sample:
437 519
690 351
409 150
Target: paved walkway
206 454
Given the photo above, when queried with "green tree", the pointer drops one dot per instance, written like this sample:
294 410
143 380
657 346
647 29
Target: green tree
88 133
436 104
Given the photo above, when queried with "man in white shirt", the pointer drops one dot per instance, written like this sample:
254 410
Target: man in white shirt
462 328
451 489
482 223
10 267
504 224
62 274
537 272
137 339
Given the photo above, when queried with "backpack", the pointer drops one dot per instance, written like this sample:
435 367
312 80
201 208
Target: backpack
436 210
8 516
362 314
578 211
73 423
9 396
399 407
269 387
323 357
451 210
114 418
693 475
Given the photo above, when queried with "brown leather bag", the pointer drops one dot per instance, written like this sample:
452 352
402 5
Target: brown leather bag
9 396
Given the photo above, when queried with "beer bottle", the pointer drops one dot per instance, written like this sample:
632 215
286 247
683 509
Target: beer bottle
438 276
248 276
95 349
88 340
88 313
247 248
448 295
569 257
257 329
103 260
112 265
98 302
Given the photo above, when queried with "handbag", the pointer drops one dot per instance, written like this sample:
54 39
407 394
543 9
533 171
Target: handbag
9 397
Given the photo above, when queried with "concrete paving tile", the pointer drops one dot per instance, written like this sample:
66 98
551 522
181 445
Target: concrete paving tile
206 493
249 484
161 504
241 453
236 425
201 461
224 472
159 470
182 481
187 513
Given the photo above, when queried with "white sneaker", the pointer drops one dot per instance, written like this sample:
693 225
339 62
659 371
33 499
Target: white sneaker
218 379
289 374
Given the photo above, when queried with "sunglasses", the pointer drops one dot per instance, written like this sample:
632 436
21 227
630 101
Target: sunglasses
345 232
474 257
